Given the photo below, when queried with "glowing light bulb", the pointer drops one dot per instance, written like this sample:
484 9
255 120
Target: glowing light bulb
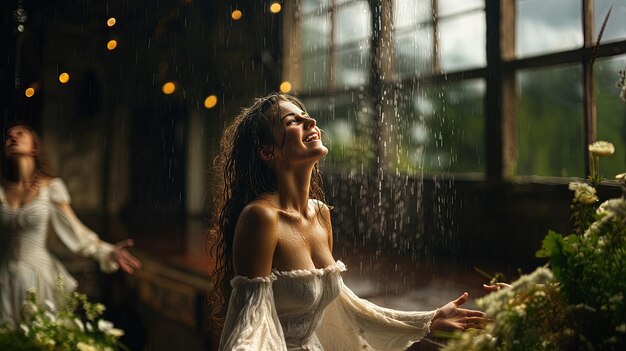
285 87
210 101
275 7
111 22
168 88
64 78
236 15
112 44
29 92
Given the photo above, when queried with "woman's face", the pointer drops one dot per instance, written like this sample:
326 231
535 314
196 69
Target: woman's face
19 142
302 137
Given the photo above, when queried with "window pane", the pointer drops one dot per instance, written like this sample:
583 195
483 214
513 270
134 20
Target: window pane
615 29
407 13
315 6
548 26
447 7
413 50
441 128
611 114
347 132
353 65
353 22
315 33
463 41
550 121
315 72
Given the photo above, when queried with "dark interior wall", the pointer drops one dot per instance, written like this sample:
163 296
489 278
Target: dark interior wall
121 145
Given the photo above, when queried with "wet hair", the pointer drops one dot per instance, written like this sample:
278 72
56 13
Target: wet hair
8 171
245 176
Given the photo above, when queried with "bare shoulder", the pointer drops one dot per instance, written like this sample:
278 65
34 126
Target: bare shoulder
255 240
257 216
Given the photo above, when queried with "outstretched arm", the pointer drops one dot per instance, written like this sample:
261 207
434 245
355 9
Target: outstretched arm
452 317
87 243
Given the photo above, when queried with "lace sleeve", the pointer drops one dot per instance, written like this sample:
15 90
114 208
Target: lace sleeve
352 323
251 321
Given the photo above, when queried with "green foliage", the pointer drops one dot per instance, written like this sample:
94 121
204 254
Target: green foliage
75 325
577 304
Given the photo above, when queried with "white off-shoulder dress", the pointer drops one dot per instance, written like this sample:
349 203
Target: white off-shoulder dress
26 263
313 310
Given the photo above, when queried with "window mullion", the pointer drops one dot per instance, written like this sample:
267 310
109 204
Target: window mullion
435 43
589 99
493 103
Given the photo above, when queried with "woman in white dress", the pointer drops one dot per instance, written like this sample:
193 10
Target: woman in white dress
275 269
31 203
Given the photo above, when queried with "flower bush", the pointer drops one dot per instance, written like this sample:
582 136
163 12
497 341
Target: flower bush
578 302
75 325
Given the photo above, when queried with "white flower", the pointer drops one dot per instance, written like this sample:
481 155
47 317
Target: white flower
115 332
89 327
85 347
583 193
621 328
51 317
49 304
99 308
612 208
25 329
104 325
79 324
520 309
30 308
602 148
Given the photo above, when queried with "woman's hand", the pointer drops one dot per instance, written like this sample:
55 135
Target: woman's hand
495 287
125 259
451 317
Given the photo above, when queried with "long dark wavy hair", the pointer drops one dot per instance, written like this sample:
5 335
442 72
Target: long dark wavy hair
8 170
245 176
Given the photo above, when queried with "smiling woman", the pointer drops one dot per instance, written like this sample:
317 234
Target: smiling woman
274 248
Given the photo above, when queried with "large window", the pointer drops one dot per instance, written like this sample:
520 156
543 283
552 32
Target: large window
500 89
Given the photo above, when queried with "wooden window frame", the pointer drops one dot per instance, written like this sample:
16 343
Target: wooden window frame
501 150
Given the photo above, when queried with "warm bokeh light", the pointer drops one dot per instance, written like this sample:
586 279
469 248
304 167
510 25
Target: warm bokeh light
236 15
112 44
64 77
168 88
210 101
111 22
29 92
285 87
275 7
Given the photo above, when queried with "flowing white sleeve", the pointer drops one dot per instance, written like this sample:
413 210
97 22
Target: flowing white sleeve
352 323
251 321
73 233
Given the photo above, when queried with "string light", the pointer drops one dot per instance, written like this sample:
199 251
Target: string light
168 88
111 22
285 87
29 92
210 101
64 77
275 7
236 15
112 44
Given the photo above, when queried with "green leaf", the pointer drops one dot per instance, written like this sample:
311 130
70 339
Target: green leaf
551 246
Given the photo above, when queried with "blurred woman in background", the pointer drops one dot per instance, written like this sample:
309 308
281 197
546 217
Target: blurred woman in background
32 201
